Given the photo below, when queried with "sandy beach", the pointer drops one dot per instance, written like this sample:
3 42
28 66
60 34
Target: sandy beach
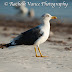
22 58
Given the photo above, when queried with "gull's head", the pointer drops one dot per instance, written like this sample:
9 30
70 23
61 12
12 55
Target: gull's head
48 17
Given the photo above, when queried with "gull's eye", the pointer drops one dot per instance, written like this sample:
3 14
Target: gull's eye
47 15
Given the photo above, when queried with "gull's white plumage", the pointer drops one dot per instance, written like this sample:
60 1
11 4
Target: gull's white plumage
45 28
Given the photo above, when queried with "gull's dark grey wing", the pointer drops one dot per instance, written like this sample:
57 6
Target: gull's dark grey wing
29 37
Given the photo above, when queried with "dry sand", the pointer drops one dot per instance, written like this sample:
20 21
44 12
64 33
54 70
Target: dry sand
22 58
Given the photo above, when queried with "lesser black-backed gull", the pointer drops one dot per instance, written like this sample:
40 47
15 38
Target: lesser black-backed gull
34 36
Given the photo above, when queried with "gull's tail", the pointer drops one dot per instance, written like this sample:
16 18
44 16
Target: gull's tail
5 45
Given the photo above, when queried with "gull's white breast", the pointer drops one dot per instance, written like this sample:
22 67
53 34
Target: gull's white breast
45 29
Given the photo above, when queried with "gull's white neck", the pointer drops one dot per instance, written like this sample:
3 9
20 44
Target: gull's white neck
45 26
46 23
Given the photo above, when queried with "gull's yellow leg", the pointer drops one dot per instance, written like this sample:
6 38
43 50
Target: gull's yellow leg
36 52
41 54
39 51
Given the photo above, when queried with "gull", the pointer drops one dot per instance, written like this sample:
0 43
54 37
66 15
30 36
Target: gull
23 10
34 36
31 13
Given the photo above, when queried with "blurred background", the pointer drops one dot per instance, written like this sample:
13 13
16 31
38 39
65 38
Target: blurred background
26 17
39 10
62 12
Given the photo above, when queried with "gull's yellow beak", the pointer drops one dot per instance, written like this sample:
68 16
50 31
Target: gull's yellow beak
53 17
